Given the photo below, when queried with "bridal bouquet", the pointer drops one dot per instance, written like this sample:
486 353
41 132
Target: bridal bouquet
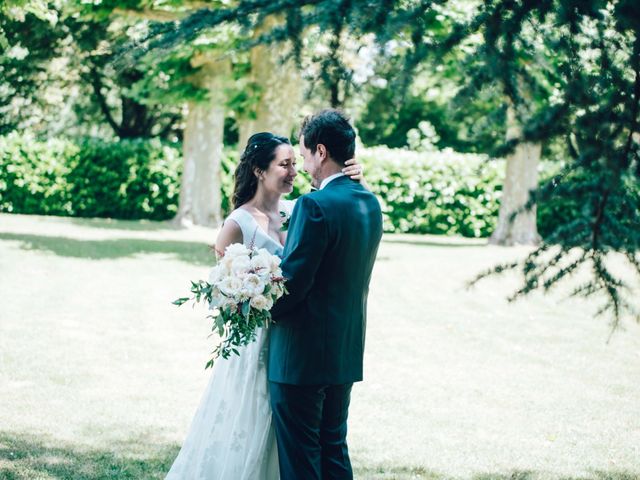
240 291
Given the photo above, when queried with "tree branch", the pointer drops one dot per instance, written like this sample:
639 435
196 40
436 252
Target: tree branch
96 84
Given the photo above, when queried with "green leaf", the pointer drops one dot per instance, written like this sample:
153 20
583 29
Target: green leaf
246 308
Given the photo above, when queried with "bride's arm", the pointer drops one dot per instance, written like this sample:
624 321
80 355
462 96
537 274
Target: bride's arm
229 233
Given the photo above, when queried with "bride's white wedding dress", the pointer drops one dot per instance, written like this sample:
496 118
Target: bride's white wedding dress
231 436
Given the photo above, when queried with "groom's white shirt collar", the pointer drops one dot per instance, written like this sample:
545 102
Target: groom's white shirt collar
326 181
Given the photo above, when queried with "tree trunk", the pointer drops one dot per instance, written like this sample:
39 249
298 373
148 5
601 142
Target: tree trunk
520 179
281 85
200 187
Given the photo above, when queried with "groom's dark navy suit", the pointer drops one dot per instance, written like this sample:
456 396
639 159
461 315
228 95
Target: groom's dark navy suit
317 343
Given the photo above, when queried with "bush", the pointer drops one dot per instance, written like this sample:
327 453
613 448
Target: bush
128 179
435 192
561 209
33 179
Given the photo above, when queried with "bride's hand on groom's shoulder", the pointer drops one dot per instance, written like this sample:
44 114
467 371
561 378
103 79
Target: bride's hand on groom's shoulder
355 171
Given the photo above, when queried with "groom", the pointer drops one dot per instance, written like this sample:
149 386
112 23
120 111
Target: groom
317 342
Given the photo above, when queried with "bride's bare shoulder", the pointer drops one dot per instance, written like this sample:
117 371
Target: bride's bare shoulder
230 232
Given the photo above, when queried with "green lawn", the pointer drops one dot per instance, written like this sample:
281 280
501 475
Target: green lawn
100 374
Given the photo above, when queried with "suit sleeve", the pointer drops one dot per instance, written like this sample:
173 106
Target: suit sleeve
306 243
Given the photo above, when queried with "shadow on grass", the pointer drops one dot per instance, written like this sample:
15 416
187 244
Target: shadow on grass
27 457
431 241
190 252
113 224
419 473
531 475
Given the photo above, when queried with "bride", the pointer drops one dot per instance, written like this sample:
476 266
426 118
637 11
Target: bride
231 436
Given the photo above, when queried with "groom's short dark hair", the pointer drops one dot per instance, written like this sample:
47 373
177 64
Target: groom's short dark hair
332 129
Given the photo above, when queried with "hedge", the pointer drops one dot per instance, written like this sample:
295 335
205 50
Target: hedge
435 192
129 179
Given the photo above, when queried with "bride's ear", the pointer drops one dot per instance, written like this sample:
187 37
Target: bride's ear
258 173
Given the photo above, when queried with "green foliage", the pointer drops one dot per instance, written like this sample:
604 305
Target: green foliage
572 72
434 192
137 179
24 69
34 175
440 192
430 192
129 179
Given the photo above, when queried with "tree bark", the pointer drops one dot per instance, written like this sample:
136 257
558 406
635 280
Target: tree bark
520 179
200 187
281 84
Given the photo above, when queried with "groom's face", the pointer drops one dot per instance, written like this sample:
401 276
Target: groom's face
311 163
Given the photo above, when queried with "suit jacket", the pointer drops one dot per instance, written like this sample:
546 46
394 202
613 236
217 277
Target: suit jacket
319 334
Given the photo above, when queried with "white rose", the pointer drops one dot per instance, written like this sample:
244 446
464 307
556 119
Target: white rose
236 250
216 298
260 302
231 286
216 274
228 302
274 265
240 265
261 264
252 285
269 303
277 290
225 264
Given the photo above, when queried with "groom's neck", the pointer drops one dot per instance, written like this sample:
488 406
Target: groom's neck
328 169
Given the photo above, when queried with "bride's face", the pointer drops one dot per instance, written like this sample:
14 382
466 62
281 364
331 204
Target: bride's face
281 172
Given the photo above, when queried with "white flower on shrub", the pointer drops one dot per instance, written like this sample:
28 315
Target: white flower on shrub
18 52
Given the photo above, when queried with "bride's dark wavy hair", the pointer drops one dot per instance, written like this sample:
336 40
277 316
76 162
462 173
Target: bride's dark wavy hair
258 154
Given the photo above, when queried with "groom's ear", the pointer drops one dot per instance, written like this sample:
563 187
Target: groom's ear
322 151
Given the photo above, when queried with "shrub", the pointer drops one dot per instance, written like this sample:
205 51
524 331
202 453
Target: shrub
128 179
432 192
435 192
33 179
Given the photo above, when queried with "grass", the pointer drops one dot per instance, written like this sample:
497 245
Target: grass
100 374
